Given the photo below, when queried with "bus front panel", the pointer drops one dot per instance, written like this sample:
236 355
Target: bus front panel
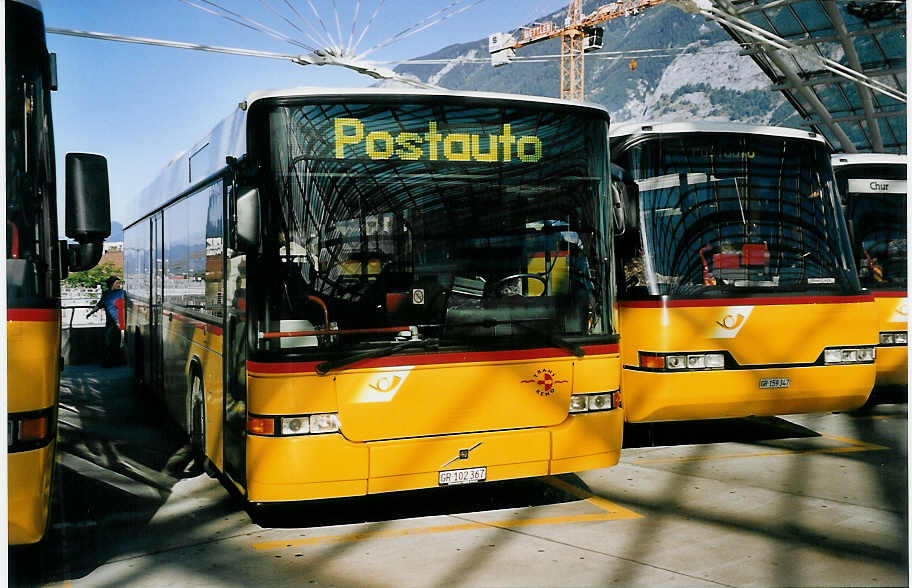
401 426
740 294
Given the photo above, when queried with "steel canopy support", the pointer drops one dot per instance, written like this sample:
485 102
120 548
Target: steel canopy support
867 100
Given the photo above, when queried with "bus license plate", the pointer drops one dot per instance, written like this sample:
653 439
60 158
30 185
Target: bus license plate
466 476
774 383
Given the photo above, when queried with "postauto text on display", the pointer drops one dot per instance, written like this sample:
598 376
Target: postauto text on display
353 139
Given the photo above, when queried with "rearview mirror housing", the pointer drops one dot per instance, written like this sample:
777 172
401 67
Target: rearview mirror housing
88 209
247 229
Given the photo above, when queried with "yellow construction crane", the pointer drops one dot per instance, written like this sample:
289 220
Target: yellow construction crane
579 35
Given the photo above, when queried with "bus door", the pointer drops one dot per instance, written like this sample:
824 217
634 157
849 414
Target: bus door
235 366
155 307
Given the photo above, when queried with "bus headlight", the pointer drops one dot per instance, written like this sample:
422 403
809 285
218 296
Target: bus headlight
295 425
894 338
290 426
324 423
679 361
595 402
848 355
715 360
676 362
579 403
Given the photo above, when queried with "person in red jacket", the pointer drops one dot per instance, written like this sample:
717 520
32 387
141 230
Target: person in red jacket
112 301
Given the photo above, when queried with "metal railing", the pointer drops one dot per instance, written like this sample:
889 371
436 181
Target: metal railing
81 318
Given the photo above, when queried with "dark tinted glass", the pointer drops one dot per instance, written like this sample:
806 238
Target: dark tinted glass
724 213
875 198
438 218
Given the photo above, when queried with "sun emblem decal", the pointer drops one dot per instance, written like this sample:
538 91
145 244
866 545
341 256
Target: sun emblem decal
545 381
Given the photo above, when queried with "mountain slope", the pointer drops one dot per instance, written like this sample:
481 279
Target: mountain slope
698 72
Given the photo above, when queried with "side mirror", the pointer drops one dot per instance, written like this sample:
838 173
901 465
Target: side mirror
624 202
617 206
248 220
88 208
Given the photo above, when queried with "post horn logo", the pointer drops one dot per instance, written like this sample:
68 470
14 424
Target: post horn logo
544 380
731 321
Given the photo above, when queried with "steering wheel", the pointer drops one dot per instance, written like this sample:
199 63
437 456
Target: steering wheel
494 288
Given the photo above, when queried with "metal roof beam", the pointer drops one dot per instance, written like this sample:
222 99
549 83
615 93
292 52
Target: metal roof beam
810 98
858 117
820 80
833 38
758 7
867 101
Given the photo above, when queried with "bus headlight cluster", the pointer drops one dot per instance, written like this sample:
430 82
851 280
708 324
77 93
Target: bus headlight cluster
894 338
288 426
681 361
595 402
848 355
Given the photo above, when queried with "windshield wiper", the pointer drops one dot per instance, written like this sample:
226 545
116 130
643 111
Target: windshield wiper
348 359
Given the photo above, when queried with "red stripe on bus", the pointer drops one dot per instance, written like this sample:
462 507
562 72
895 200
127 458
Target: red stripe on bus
32 314
778 300
890 294
429 359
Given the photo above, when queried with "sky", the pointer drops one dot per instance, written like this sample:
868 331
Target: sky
142 105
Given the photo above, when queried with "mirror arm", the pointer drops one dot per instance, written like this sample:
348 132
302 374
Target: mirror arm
84 256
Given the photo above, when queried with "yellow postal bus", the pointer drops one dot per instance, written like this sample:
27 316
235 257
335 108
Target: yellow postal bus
740 296
33 264
344 292
873 188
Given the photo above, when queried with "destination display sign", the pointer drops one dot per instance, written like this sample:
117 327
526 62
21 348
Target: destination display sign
355 139
874 186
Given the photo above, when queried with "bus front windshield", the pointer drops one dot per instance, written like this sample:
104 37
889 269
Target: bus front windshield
875 198
433 220
730 214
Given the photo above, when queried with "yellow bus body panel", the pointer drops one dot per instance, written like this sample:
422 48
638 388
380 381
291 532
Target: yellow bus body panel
757 335
33 360
33 348
892 362
439 405
30 475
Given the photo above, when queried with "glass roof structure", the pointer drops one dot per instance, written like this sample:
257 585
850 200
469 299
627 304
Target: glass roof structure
811 45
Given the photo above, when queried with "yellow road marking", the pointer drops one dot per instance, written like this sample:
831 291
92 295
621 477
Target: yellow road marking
621 513
591 498
854 446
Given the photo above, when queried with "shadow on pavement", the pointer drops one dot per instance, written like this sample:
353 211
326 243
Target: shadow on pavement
744 430
117 460
510 494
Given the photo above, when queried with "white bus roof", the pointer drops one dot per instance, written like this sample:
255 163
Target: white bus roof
665 128
229 138
315 92
843 159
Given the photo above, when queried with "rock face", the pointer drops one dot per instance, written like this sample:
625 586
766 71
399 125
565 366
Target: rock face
660 64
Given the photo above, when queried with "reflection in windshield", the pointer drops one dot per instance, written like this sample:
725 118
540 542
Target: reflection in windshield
726 212
483 223
30 203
